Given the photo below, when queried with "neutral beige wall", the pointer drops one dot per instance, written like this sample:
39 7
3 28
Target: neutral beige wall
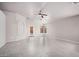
66 29
2 29
15 25
22 27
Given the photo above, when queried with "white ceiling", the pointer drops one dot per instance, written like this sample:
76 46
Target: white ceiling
54 9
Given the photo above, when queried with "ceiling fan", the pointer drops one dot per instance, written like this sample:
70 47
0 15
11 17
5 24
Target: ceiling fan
41 12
